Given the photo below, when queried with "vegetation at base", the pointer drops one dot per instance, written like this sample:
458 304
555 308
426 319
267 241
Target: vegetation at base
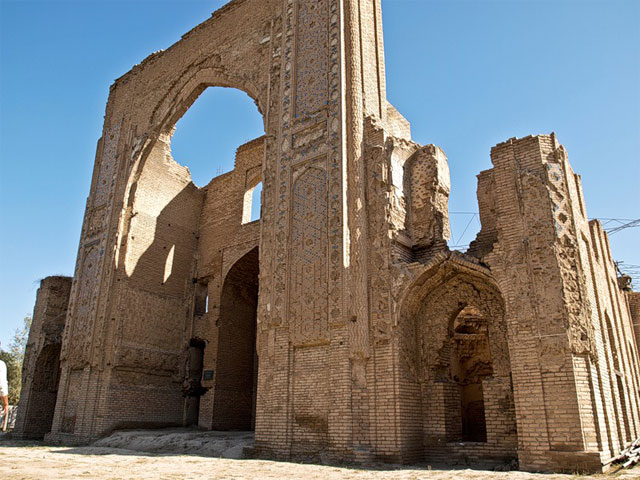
14 358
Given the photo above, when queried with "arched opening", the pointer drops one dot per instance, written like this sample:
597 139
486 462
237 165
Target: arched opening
470 363
44 390
467 396
454 336
169 251
215 125
164 198
234 398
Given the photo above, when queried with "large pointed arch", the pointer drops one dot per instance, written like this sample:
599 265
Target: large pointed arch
454 345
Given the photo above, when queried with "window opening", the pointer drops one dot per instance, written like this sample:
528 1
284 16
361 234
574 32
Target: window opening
252 208
201 303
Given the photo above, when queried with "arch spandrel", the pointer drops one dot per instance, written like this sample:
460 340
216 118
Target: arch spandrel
434 295
155 93
233 257
423 280
180 97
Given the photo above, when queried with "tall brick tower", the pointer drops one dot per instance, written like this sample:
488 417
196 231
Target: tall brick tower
573 357
315 70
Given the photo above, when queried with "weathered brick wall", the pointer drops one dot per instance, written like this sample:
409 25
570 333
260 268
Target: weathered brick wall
428 178
40 371
633 298
488 235
128 322
156 289
387 218
573 409
223 241
616 364
343 295
397 126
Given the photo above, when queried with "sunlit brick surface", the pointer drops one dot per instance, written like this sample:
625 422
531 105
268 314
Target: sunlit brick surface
333 324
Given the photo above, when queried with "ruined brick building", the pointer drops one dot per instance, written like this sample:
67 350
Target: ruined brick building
339 326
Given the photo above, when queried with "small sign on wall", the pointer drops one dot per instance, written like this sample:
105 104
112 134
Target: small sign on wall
207 375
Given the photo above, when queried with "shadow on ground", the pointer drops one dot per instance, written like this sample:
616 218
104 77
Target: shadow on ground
197 443
194 446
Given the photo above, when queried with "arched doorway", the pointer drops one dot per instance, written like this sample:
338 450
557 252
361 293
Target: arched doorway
469 365
43 393
236 377
455 316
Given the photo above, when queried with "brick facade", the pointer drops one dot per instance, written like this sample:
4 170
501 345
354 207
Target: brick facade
339 326
41 368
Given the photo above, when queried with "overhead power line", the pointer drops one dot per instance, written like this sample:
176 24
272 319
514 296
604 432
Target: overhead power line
631 224
610 225
467 227
605 221
613 225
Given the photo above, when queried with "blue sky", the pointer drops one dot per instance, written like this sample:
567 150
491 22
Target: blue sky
466 74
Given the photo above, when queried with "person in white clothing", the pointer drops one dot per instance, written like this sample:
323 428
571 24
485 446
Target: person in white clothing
4 394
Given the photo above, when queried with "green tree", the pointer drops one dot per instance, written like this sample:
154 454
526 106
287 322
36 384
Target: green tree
14 359
19 341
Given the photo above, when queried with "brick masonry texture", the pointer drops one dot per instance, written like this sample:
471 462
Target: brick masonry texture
40 373
339 326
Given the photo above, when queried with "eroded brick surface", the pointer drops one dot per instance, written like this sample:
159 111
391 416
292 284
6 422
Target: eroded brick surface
340 326
41 368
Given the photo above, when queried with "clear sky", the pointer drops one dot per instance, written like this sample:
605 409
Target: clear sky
466 74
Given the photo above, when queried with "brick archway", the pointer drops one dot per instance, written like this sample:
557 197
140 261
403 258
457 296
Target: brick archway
235 386
44 389
456 346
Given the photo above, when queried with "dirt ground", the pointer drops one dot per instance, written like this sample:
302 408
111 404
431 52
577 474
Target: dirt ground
23 460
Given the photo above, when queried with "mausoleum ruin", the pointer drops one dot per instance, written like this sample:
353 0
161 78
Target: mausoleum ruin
339 326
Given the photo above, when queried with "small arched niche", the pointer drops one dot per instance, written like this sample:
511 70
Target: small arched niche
470 363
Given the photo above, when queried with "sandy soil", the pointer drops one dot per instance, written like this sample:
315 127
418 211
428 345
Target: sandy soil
23 460
181 441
